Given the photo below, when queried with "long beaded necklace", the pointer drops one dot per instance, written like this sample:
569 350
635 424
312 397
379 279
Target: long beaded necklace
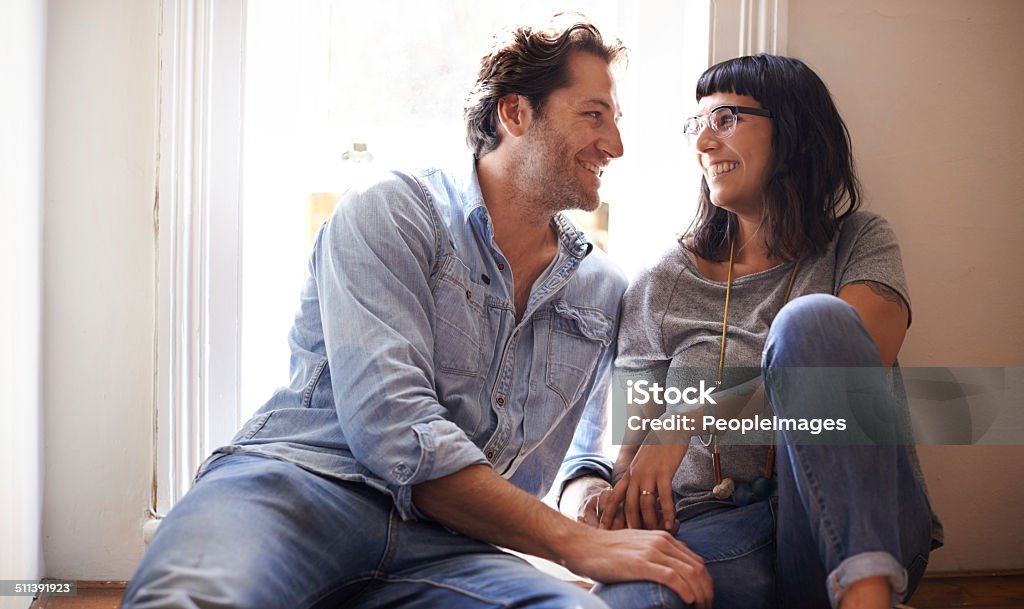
742 493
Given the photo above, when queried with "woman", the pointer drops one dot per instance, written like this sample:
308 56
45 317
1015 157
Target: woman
778 273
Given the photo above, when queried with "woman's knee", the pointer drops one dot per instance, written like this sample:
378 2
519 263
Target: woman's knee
825 313
819 330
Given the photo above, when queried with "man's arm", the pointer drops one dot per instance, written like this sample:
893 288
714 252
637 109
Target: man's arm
373 269
477 502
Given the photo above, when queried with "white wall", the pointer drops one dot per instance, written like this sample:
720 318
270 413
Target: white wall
101 127
22 62
933 94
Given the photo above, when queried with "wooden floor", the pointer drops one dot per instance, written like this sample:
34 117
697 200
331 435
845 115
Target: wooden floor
975 590
943 592
91 595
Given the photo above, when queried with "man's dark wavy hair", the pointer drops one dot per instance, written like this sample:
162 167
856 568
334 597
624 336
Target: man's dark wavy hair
811 186
532 63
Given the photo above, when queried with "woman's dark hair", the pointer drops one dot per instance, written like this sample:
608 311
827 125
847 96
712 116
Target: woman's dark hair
811 185
532 63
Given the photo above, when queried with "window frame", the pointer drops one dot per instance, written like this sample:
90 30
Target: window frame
198 244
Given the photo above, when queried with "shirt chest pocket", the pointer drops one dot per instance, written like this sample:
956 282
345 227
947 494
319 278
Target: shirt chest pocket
576 337
460 321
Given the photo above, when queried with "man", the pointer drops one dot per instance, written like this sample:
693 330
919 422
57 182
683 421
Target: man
453 332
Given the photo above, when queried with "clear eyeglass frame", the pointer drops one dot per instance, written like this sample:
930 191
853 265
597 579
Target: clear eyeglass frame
721 119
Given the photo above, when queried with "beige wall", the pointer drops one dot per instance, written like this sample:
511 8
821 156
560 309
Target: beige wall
933 94
101 135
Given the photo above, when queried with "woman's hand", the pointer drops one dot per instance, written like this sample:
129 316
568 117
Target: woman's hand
586 499
644 493
599 505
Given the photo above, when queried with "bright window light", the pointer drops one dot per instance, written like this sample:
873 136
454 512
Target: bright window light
333 87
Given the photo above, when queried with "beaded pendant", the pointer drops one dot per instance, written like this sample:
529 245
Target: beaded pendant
724 489
744 493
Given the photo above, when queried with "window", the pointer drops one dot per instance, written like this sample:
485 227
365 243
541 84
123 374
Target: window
270 106
329 93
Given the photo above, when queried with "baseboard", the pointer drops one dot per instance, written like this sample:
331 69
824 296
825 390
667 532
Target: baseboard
102 585
974 573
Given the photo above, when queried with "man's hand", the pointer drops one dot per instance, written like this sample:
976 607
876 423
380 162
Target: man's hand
631 555
637 555
477 502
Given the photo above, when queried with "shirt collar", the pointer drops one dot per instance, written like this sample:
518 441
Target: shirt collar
573 239
468 186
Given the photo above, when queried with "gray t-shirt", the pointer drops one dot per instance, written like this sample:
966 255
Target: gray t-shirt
673 315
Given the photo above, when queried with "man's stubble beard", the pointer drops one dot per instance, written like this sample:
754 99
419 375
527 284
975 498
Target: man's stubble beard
548 182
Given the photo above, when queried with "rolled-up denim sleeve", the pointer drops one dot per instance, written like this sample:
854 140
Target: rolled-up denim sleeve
373 270
586 453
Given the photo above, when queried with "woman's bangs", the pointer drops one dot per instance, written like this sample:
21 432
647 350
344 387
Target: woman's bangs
741 76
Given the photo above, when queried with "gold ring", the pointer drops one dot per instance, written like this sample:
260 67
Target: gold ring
643 492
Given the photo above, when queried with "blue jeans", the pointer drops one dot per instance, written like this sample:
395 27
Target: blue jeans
840 513
262 533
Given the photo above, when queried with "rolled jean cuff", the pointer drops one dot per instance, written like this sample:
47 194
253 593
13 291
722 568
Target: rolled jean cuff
863 565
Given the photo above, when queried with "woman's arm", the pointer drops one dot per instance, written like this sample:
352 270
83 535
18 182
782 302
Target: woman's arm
884 313
871 280
626 454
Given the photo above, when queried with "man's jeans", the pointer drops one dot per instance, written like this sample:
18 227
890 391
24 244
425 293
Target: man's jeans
259 533
841 513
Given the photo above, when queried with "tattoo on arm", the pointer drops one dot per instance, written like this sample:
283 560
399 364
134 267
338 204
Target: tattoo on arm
884 291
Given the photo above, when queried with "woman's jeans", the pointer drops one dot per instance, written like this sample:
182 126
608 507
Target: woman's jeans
841 513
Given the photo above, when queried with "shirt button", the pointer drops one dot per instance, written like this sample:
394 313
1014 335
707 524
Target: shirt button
500 401
490 455
469 295
501 266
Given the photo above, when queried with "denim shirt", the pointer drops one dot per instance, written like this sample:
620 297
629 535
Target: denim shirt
408 363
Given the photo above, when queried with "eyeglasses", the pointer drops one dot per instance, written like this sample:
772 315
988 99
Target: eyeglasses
722 121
